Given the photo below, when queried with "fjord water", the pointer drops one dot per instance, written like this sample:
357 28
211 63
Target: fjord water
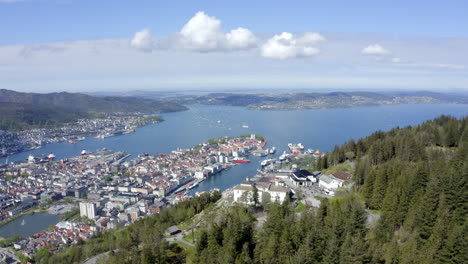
317 129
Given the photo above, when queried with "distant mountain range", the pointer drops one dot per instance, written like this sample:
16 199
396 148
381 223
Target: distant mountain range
291 101
23 110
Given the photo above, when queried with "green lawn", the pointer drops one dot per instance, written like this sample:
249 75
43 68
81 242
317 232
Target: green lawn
190 237
300 206
343 167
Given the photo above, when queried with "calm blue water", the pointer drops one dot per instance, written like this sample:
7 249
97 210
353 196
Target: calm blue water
317 129
32 224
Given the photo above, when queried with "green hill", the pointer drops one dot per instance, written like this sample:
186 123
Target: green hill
87 103
15 116
29 110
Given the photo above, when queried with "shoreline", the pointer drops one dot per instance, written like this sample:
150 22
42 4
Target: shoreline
85 134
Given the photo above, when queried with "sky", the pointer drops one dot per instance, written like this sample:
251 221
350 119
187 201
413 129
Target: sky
85 46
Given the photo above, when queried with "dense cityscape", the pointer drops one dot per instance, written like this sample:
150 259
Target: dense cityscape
111 191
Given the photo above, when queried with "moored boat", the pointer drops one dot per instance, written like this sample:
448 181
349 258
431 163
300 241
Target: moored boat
240 160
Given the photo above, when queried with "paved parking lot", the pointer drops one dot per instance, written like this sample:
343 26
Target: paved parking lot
308 193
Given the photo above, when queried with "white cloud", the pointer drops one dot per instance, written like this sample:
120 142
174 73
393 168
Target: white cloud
143 41
311 38
286 45
240 38
375 49
203 33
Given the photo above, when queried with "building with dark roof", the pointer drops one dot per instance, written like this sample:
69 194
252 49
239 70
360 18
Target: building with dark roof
302 178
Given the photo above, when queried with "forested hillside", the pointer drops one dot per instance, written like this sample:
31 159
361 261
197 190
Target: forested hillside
417 178
16 116
86 103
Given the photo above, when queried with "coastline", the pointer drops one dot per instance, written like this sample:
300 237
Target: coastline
61 139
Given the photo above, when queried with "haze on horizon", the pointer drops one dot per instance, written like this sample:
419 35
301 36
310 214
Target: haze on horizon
85 46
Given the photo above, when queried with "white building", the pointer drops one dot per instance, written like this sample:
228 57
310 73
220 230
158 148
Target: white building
243 192
65 225
329 182
88 209
199 175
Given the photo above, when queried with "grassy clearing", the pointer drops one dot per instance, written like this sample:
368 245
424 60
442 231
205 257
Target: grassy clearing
343 167
320 198
300 206
190 237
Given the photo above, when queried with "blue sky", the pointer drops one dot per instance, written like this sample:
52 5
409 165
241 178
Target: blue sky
163 45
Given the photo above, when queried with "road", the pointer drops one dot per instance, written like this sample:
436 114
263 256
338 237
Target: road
179 237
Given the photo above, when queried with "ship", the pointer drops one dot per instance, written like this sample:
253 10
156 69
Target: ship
72 142
283 157
51 156
267 162
83 152
193 185
272 151
128 131
296 146
240 160
245 126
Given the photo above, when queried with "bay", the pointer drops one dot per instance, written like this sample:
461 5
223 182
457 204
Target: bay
317 129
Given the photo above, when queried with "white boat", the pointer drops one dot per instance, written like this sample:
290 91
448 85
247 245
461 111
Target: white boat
193 185
272 150
23 223
245 126
295 147
267 162
283 156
